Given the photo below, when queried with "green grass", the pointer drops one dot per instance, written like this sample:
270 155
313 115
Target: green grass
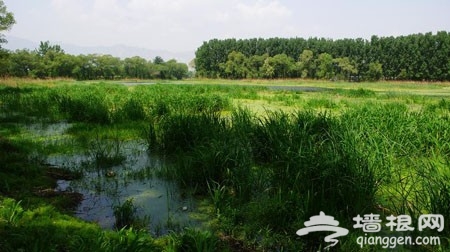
45 229
265 159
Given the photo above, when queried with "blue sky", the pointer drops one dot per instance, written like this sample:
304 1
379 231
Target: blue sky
182 25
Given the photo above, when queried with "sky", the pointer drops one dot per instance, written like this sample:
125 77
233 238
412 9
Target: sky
183 25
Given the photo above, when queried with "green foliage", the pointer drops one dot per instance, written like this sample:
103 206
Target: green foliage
10 211
255 64
211 154
325 66
264 165
264 174
85 107
175 70
88 103
321 103
158 60
105 152
192 240
375 71
443 104
345 68
235 67
18 173
218 194
278 66
132 110
413 57
125 214
44 229
50 61
6 20
304 155
306 64
355 93
21 63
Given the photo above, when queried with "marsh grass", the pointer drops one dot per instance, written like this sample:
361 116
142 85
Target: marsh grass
357 93
11 211
218 194
321 103
299 156
106 152
347 164
109 103
125 214
45 229
193 240
265 173
443 105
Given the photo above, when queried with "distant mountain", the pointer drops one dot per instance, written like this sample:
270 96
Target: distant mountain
121 51
15 43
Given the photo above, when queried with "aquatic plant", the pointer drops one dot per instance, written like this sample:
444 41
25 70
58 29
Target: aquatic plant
264 172
106 152
11 211
218 194
125 214
192 240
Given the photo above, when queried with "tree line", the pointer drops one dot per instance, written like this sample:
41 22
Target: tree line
416 57
50 61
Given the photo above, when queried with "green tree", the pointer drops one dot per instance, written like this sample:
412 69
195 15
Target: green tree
109 67
279 66
306 64
87 67
255 64
136 67
284 66
414 57
325 66
236 66
267 69
160 71
6 21
175 70
22 63
4 62
344 68
375 71
209 56
158 60
48 60
46 47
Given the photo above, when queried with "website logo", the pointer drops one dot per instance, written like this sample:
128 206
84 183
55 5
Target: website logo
324 222
373 224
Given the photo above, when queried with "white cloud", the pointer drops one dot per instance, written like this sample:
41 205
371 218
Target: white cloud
263 18
263 10
170 24
180 25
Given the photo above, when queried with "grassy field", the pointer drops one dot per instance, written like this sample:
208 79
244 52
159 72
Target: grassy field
263 156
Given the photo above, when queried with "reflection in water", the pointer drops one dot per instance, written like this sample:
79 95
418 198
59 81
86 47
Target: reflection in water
156 200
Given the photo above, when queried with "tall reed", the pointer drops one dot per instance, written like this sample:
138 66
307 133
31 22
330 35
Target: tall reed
282 168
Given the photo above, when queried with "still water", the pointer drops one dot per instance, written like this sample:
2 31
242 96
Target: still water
158 203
